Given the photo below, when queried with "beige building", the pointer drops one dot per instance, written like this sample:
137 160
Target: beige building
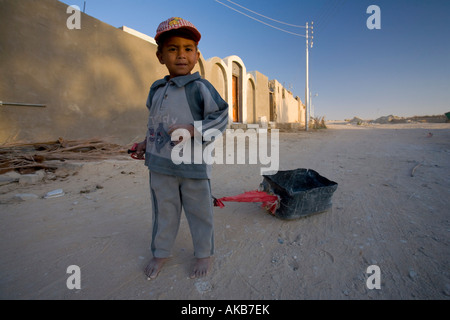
94 80
284 107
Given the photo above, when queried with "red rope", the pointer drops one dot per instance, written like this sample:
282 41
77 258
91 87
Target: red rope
269 201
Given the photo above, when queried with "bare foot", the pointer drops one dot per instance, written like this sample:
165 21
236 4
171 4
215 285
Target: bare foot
154 267
201 268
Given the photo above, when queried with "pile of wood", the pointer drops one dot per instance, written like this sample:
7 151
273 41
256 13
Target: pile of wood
29 157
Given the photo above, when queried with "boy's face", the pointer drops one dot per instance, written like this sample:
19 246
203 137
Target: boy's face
179 55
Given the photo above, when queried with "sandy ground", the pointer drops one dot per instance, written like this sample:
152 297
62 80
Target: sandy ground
382 215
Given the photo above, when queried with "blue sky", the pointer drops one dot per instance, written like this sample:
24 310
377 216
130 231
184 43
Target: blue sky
401 69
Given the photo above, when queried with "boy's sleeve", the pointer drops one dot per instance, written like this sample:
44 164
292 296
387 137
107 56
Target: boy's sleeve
155 86
215 109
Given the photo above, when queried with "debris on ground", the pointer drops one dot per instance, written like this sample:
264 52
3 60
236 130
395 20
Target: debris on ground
31 157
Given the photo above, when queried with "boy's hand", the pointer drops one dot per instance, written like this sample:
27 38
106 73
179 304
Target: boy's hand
140 150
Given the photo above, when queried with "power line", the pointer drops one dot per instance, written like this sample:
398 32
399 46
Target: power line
327 16
288 24
323 10
286 31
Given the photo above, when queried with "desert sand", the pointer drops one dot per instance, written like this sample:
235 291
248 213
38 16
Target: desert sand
391 210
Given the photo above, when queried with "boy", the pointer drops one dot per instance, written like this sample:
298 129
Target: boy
187 102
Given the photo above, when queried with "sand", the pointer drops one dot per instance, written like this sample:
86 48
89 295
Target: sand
383 214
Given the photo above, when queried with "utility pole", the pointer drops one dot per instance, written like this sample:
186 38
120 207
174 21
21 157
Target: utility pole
307 110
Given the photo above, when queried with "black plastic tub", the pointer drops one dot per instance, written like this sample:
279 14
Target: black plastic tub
303 192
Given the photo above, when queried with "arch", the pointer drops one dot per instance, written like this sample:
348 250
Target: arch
200 67
251 99
237 74
217 75
237 91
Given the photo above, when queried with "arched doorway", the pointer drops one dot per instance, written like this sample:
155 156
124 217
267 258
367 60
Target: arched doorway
236 92
251 100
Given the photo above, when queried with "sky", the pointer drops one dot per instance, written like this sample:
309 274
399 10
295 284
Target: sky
401 68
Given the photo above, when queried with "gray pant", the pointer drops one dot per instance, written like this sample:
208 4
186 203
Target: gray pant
169 195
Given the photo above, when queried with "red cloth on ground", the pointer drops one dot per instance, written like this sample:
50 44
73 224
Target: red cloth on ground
270 202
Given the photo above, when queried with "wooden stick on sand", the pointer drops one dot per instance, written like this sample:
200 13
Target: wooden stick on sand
414 169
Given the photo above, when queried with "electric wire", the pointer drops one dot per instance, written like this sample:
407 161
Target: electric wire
324 11
267 24
327 16
288 24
